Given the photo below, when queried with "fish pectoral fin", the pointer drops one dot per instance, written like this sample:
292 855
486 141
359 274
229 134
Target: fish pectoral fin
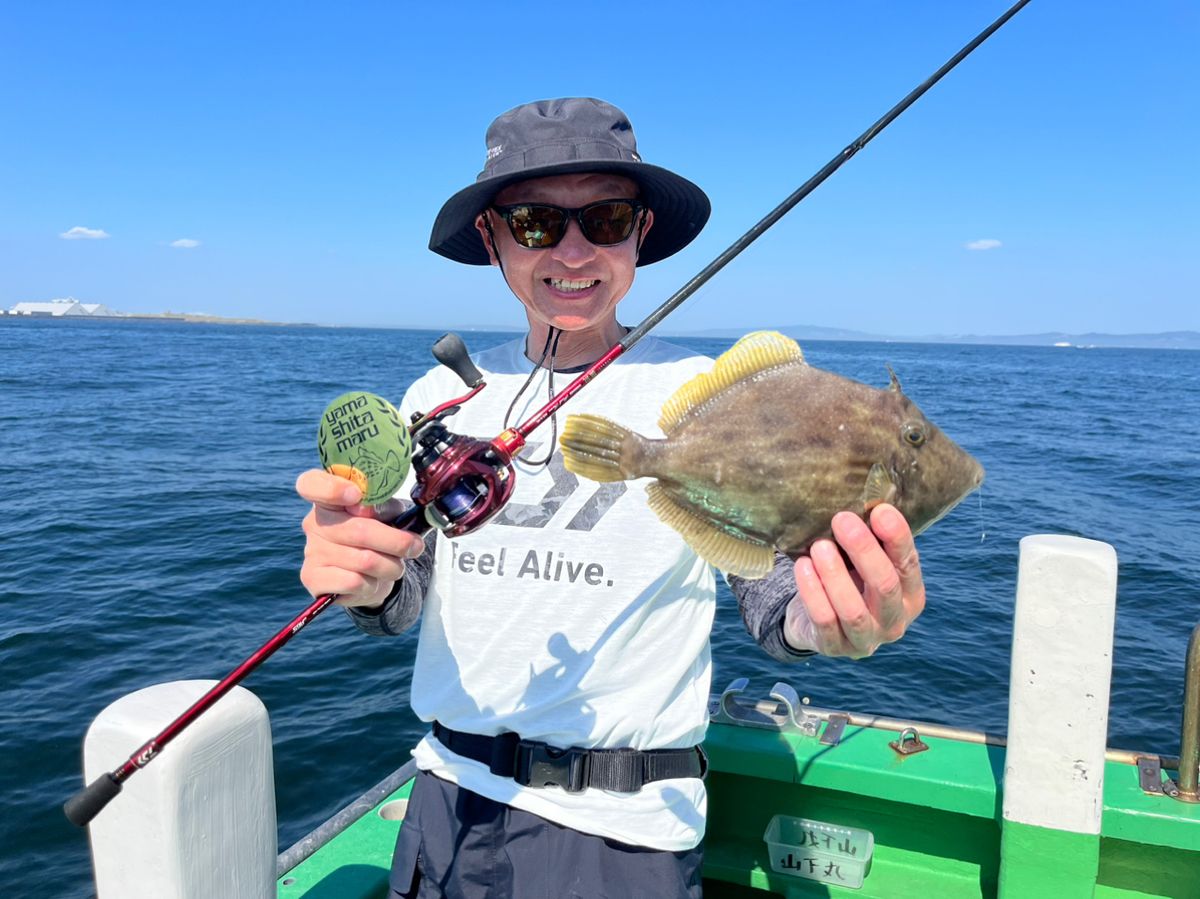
880 488
755 352
734 554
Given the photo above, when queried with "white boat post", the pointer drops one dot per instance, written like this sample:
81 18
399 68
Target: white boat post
1058 717
200 821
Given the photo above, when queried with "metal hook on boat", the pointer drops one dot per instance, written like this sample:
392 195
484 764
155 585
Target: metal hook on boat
792 718
909 742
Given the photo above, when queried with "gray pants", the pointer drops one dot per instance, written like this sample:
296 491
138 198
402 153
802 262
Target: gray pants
455 844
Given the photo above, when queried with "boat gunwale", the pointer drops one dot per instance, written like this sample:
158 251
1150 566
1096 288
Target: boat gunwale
309 844
778 711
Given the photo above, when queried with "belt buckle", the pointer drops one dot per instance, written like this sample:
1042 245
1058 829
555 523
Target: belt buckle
541 765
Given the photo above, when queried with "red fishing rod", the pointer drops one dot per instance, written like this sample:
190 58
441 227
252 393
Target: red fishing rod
462 482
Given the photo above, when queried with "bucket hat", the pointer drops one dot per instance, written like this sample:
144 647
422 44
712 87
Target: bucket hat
559 137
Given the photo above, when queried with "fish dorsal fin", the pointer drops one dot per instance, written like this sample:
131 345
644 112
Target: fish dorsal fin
894 385
753 353
880 488
735 555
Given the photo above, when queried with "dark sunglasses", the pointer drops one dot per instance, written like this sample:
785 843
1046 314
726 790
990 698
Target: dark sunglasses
539 226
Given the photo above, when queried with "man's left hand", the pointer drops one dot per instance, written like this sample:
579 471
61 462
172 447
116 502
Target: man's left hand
852 611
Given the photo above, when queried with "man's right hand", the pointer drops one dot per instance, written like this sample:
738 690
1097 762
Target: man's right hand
350 550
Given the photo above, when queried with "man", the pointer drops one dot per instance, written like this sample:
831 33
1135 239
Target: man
566 642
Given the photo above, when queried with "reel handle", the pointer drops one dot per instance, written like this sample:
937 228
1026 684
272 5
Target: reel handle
452 353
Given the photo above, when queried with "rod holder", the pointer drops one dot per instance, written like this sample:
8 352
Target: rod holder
1189 738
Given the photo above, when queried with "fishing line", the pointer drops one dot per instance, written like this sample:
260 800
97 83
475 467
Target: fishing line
476 476
552 349
509 442
554 333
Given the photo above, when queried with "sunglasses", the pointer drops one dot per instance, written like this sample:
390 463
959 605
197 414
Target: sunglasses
538 226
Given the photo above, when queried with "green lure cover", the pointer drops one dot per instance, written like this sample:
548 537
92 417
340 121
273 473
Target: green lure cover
363 438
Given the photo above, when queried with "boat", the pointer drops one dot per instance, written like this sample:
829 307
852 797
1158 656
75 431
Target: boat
803 802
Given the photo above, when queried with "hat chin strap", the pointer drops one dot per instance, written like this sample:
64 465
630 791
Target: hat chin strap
551 349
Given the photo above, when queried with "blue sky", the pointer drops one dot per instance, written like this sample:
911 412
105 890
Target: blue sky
305 148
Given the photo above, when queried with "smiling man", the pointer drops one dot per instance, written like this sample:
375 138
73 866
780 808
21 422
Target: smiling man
563 658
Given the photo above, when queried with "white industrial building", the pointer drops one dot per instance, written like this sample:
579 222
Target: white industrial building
60 308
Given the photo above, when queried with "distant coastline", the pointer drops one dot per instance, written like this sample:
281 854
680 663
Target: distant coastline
1163 340
190 317
205 319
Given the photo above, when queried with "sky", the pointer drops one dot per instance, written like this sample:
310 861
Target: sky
285 161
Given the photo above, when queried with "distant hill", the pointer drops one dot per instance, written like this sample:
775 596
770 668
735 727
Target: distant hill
796 332
1164 340
1175 340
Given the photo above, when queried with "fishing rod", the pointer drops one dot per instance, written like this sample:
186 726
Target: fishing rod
462 482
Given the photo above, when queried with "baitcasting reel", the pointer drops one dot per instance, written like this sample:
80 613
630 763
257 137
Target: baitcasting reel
461 481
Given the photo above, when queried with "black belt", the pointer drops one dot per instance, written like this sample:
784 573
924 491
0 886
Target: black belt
534 764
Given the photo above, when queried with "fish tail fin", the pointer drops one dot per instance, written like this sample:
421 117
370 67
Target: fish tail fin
600 449
734 554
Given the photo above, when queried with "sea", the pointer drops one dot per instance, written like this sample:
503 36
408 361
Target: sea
150 532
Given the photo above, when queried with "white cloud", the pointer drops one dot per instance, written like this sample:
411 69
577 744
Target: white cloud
988 243
185 243
81 233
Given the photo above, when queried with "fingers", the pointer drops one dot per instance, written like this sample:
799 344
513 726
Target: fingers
348 550
855 618
353 558
351 528
325 489
881 592
897 539
351 588
852 610
359 574
810 621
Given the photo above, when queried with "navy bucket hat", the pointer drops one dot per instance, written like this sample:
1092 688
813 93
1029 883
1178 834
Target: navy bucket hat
560 137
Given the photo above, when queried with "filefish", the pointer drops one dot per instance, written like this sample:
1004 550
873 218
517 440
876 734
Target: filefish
761 452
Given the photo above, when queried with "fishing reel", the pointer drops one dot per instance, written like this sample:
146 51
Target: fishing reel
462 481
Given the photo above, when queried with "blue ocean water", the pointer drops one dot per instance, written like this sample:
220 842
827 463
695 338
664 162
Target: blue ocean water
149 532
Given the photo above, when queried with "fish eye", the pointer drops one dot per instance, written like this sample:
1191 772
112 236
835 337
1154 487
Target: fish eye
914 435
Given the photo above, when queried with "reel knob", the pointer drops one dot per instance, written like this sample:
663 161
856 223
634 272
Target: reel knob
452 353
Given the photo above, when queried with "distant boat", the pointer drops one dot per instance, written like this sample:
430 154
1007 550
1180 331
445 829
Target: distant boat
1062 343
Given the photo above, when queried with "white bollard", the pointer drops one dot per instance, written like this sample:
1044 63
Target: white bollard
1058 716
199 820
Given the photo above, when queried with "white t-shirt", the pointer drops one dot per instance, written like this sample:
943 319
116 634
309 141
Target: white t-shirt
575 617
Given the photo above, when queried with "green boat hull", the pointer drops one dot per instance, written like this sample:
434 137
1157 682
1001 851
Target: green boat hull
935 817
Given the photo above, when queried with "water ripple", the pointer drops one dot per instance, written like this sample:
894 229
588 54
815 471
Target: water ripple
158 539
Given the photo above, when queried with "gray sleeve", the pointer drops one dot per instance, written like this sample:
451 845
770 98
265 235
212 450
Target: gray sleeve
402 608
763 603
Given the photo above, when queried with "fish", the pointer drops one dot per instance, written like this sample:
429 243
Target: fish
762 451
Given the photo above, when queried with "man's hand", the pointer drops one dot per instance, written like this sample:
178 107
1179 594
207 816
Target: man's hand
349 550
840 611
